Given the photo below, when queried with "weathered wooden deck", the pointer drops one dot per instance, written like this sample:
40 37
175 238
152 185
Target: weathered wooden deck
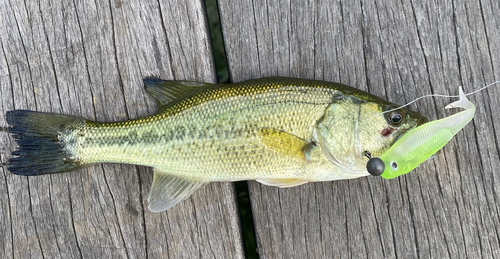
87 58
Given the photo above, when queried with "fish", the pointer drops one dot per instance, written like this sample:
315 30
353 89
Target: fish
278 131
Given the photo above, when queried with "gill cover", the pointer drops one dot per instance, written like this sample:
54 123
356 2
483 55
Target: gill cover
337 134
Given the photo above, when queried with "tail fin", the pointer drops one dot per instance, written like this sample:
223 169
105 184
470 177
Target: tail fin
41 149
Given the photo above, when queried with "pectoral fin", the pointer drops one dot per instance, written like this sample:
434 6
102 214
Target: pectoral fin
168 190
282 183
286 143
167 92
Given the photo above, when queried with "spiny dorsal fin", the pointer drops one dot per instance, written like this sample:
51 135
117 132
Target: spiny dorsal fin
168 190
286 143
169 91
282 183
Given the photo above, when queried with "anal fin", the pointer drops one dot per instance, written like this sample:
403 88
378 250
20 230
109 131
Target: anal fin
168 190
282 183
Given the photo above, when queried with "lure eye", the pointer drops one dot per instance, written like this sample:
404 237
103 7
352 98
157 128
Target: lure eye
395 117
394 165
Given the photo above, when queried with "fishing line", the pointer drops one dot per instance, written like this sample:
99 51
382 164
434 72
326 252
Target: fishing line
440 95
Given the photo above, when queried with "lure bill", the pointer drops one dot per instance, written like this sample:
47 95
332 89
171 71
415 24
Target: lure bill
422 142
278 131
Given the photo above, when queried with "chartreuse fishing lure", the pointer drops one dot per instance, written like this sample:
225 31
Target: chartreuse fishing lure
420 143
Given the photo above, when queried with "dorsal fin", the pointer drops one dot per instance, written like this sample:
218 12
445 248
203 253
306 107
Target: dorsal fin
169 91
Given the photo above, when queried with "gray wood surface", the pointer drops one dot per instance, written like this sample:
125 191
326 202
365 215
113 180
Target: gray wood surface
399 50
88 58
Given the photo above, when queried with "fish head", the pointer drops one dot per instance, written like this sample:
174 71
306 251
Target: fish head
355 128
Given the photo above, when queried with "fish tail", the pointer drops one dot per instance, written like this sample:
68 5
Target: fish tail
42 150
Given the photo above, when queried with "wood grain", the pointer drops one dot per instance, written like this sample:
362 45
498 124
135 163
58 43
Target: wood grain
399 50
88 58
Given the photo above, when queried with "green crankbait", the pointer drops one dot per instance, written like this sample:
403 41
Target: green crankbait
420 143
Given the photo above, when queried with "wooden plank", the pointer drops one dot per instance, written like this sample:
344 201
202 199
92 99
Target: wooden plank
399 50
88 58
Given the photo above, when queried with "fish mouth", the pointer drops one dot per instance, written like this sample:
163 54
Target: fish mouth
422 120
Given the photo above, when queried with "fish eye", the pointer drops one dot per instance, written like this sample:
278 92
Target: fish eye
395 118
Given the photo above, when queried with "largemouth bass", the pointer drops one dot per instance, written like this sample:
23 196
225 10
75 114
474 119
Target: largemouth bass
279 131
